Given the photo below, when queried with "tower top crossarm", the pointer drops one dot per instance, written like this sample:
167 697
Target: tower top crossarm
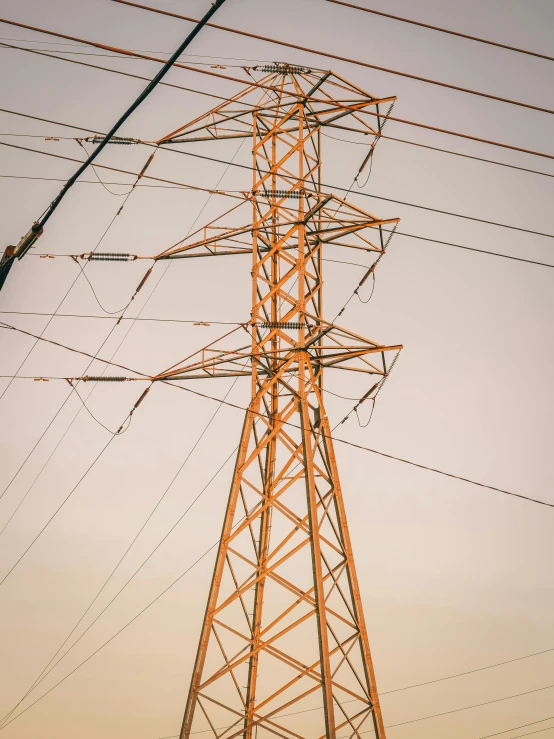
327 100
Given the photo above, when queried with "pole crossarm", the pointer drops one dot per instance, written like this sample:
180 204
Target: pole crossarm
284 629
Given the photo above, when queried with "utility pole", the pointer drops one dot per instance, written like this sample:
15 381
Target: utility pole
283 650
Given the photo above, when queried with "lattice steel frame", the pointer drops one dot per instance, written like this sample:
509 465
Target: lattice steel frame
284 620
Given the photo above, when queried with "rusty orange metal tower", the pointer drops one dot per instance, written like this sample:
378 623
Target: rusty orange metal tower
283 649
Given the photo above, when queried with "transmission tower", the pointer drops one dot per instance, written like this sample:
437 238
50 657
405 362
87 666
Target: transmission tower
283 649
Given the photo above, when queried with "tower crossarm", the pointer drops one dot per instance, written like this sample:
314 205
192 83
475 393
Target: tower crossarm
329 220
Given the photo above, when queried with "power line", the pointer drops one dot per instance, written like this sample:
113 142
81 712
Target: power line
74 387
113 71
514 728
46 671
112 637
333 438
58 509
68 348
114 55
403 121
444 151
467 708
145 51
229 193
169 587
474 249
113 355
325 259
339 58
70 288
381 454
88 182
548 728
471 672
334 138
443 30
125 318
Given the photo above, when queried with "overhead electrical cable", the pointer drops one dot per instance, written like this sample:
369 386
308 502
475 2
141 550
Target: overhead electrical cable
227 193
113 71
105 644
382 454
262 86
72 391
71 286
64 501
49 666
538 731
442 30
85 182
144 51
333 438
521 726
326 135
202 322
471 672
230 194
130 328
68 348
473 249
166 590
443 151
329 55
37 228
138 57
403 121
73 387
342 441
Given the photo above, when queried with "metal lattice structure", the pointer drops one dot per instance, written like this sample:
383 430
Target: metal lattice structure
283 649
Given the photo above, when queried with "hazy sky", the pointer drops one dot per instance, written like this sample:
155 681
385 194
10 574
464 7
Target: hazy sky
453 577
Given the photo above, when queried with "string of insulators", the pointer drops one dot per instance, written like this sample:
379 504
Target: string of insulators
114 140
104 378
281 324
283 68
107 256
297 194
136 405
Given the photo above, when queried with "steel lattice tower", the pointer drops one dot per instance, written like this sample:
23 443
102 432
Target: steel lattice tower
283 649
